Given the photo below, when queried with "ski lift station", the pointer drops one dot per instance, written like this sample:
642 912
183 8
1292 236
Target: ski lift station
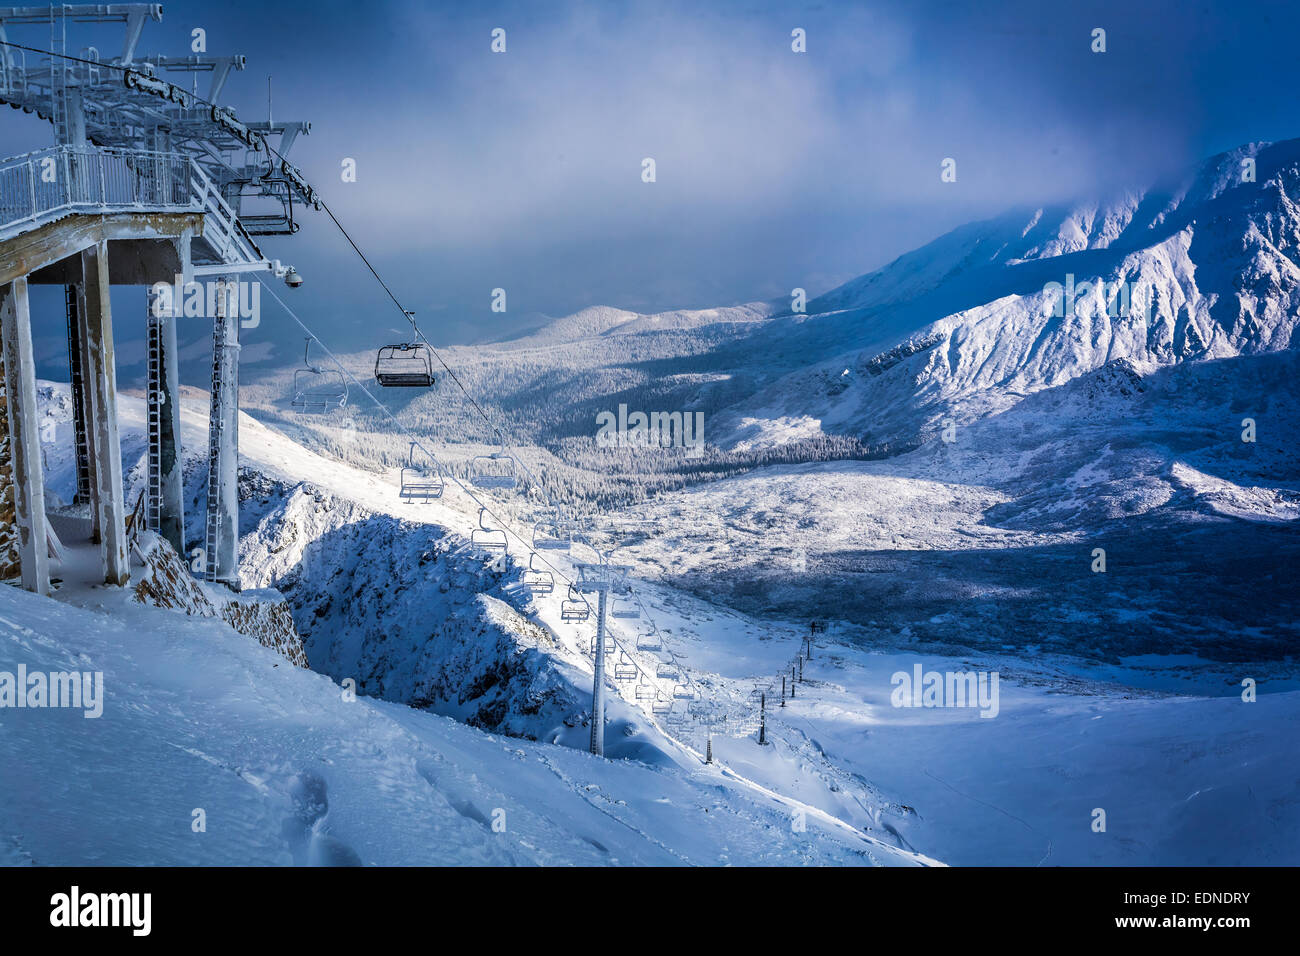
147 182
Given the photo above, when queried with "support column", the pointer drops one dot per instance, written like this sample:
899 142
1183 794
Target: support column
86 411
222 538
598 683
24 436
164 473
77 386
101 373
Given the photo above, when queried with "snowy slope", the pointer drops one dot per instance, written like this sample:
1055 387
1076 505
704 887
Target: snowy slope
287 771
909 779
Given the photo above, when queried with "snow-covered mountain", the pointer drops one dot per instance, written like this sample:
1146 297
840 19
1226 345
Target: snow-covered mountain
962 328
988 420
971 323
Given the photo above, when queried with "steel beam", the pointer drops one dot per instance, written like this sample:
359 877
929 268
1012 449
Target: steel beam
598 681
222 533
77 386
164 479
86 409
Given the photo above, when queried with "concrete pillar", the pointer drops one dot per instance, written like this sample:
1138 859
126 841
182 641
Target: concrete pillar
222 544
101 379
24 436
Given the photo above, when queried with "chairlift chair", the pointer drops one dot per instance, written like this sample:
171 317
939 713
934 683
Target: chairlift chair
538 580
610 647
683 692
484 537
496 470
573 608
625 668
661 704
650 642
666 669
419 481
552 535
407 365
644 691
623 611
316 389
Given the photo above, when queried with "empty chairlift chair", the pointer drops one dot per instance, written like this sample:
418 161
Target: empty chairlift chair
538 580
421 476
625 668
610 646
552 533
496 470
662 704
623 609
651 642
409 365
316 389
645 691
574 608
491 539
682 724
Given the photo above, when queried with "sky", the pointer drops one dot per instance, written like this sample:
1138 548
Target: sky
522 170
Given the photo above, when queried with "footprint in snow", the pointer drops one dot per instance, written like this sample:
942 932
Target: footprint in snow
304 829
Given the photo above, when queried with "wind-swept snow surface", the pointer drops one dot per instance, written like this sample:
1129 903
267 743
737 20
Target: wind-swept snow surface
286 770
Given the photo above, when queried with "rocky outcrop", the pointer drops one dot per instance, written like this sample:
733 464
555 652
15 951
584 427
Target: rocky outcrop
9 553
165 581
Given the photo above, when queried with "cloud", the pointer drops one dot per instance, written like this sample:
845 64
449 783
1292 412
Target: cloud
523 169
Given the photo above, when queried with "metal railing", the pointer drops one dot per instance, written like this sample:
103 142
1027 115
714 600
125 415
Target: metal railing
47 184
